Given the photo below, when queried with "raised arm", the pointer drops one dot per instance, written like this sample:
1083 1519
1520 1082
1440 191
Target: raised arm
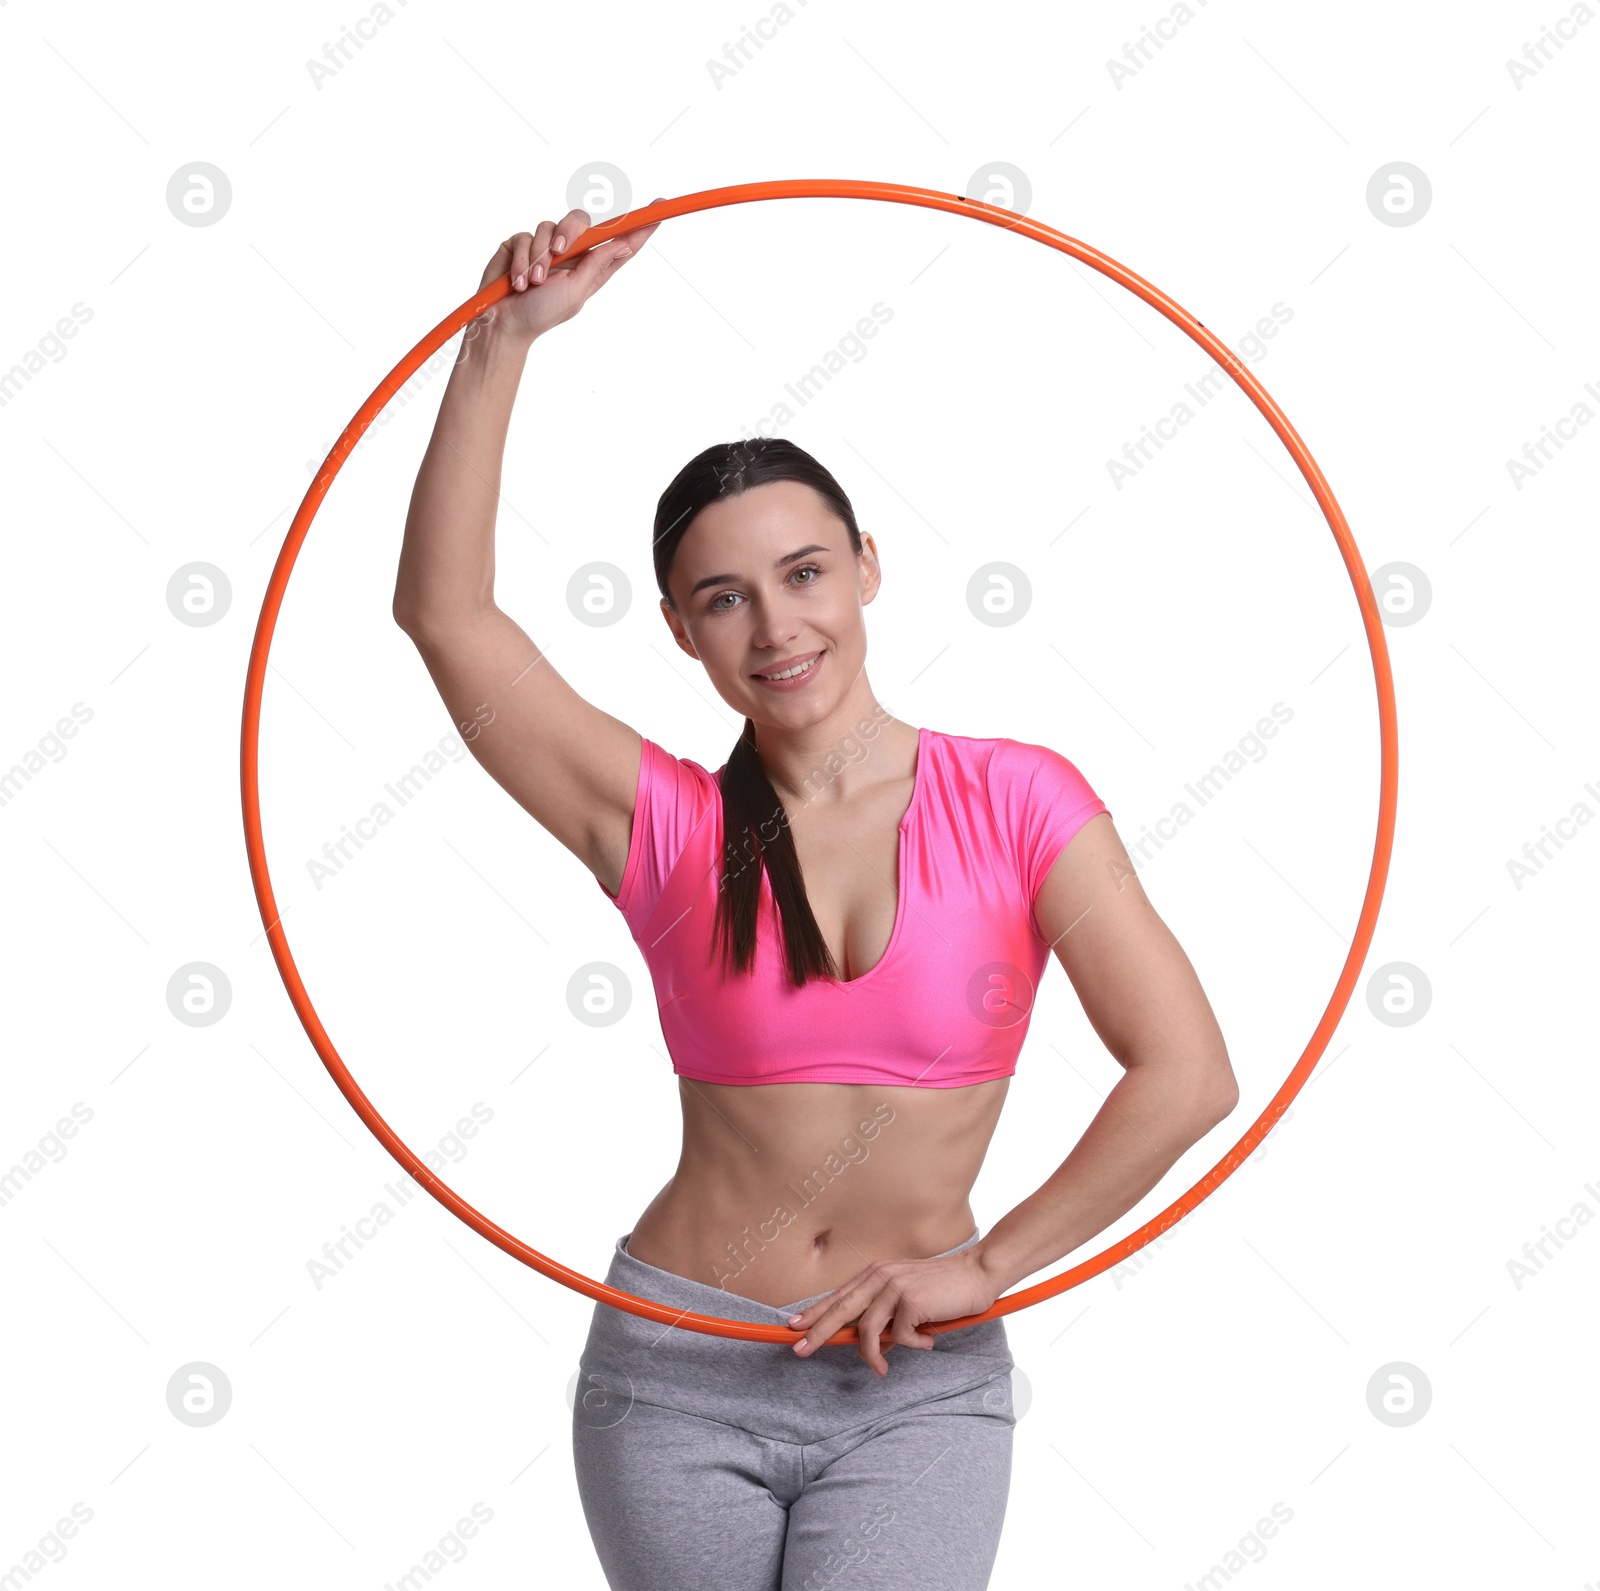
568 763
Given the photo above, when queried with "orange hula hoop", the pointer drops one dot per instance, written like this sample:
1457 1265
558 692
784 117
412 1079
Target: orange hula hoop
932 199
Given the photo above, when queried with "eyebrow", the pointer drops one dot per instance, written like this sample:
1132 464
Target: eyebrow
788 558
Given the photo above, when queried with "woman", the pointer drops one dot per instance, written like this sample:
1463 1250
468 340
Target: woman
845 926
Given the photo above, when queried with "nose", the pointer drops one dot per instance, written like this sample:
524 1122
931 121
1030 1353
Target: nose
775 627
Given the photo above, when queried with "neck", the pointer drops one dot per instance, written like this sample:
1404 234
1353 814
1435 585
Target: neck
860 744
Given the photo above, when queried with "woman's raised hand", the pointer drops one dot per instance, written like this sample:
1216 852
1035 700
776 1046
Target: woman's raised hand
541 297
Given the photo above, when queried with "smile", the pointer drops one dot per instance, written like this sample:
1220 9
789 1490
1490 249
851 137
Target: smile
797 674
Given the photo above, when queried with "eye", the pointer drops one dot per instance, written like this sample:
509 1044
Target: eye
716 604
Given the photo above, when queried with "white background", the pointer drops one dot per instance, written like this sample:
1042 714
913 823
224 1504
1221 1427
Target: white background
1174 1401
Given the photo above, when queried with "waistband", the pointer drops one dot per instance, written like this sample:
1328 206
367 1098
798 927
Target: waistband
765 1387
654 1283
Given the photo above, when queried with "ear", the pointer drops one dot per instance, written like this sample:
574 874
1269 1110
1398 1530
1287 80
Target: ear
679 634
868 568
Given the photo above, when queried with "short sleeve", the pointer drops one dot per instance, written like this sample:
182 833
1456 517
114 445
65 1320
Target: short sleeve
672 796
1040 801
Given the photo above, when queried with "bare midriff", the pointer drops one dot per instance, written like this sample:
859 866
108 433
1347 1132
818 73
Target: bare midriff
785 1190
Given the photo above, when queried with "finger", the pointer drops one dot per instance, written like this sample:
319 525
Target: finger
905 1333
814 1311
638 236
870 1327
532 255
569 229
846 1306
498 264
623 244
517 259
593 270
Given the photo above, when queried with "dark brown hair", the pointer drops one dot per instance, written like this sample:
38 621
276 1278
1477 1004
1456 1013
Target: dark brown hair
755 827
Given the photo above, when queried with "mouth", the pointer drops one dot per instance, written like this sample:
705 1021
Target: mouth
796 671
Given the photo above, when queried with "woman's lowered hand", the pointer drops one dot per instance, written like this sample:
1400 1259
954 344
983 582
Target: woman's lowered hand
904 1292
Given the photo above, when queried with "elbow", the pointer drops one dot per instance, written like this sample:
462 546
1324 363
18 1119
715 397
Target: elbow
1219 1092
1223 1103
412 621
402 614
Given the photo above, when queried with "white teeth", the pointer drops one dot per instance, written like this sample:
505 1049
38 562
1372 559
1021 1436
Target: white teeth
791 672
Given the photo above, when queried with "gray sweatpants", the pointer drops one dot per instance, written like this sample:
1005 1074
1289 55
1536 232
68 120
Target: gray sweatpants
712 1462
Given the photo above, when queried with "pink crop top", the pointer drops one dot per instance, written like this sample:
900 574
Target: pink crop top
948 1002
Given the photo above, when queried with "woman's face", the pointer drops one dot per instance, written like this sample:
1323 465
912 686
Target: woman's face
768 579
